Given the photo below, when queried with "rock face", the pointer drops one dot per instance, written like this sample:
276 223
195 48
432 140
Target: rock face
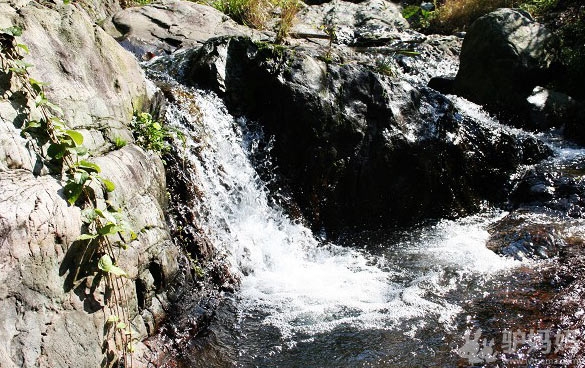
170 25
555 185
50 314
505 54
371 22
357 146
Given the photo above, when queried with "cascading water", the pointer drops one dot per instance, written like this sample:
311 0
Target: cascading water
387 300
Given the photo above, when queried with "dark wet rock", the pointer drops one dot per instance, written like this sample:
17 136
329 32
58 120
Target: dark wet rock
356 146
557 186
524 235
550 108
505 54
442 84
574 128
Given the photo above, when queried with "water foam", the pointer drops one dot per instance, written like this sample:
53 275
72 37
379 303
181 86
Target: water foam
300 285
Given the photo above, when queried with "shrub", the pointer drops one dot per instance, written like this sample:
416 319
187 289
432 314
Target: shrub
457 15
259 13
150 134
252 13
288 12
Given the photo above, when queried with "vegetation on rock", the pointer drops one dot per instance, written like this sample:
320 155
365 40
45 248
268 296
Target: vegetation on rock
105 232
259 13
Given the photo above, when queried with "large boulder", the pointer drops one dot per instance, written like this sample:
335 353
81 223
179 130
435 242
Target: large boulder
356 146
505 54
170 25
50 313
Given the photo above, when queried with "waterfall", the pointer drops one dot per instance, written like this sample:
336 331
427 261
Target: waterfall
299 284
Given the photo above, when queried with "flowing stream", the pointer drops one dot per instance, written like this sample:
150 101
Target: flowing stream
385 298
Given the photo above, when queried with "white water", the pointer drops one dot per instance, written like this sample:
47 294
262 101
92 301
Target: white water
302 286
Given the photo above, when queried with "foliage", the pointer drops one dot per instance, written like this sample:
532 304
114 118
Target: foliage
384 66
288 13
130 3
330 31
252 13
457 15
150 134
260 13
64 146
417 16
538 7
119 142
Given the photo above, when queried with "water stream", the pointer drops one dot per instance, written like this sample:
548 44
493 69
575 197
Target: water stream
384 298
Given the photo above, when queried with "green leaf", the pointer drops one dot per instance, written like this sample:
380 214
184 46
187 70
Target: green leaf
90 166
58 123
105 264
80 177
110 186
33 124
87 236
121 325
89 215
118 271
113 319
14 31
76 136
56 151
109 229
19 66
72 192
23 47
410 11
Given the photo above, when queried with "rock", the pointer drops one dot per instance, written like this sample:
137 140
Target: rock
109 84
574 128
172 24
375 33
51 313
555 184
358 147
364 23
427 6
551 109
527 236
442 84
505 54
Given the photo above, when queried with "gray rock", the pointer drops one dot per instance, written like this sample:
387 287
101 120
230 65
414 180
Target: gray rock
172 24
369 22
50 314
505 54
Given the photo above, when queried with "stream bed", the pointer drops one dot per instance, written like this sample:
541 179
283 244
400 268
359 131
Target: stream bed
431 295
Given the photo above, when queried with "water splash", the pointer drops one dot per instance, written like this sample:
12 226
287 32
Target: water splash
300 285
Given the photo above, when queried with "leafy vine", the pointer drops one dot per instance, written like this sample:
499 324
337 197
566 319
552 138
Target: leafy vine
105 231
